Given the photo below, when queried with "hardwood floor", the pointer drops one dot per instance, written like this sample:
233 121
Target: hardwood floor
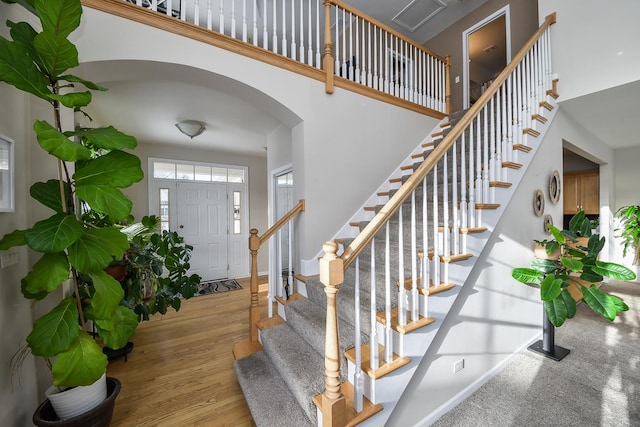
180 372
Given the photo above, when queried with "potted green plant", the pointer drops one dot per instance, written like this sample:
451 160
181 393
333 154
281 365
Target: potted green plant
93 167
157 264
629 229
577 265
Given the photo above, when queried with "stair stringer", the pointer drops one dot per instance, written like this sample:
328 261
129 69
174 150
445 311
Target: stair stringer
386 390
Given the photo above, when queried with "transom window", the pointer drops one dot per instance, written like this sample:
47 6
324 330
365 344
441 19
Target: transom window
196 172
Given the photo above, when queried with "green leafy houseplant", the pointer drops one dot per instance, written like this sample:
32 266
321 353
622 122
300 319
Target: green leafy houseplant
92 169
630 230
156 269
554 276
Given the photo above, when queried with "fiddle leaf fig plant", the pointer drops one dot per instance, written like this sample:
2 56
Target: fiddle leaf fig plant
576 261
92 169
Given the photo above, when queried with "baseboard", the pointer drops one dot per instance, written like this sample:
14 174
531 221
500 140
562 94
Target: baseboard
472 388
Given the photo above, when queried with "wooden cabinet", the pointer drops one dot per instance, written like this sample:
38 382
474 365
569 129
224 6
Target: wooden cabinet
581 192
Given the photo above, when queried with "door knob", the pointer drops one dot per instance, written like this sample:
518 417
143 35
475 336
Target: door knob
181 226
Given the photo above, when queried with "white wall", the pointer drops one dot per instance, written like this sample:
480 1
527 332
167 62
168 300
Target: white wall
626 178
595 44
339 130
494 316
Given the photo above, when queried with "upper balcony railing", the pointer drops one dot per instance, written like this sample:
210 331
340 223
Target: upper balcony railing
351 49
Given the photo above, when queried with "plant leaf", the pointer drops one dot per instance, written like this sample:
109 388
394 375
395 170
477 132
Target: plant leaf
56 53
107 296
88 84
55 331
18 69
23 33
572 264
48 193
47 274
619 304
569 302
544 265
527 275
59 17
58 145
54 234
596 244
27 4
551 247
73 100
557 234
107 200
556 311
13 239
97 248
108 138
123 330
599 302
613 270
590 277
575 223
82 364
117 169
550 288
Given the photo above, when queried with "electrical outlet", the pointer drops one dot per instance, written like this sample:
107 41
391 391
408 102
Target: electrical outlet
8 258
458 366
457 79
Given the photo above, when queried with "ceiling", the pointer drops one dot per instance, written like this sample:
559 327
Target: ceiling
238 119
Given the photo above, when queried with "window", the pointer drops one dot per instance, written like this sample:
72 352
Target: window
237 229
197 172
164 209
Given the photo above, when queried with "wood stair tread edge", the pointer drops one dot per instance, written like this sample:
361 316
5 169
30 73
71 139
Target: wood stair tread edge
384 368
352 417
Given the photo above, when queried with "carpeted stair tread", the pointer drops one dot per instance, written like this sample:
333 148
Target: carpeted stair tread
267 394
299 364
308 320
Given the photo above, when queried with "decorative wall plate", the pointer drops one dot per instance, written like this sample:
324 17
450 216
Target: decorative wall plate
548 220
538 202
554 187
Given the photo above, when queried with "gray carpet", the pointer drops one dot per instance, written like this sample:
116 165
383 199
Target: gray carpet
597 384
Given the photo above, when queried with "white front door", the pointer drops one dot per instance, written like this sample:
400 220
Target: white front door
203 223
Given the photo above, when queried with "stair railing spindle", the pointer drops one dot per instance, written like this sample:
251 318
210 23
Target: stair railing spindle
402 308
414 259
455 231
485 156
294 47
358 380
388 336
374 355
436 231
284 29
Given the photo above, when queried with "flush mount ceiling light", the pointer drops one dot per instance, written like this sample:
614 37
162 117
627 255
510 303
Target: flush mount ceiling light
191 128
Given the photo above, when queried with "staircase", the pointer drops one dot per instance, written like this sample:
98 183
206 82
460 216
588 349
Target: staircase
345 350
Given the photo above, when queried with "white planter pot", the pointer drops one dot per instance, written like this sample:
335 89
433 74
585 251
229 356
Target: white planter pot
74 401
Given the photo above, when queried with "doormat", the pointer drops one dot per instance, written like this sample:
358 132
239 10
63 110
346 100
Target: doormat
216 286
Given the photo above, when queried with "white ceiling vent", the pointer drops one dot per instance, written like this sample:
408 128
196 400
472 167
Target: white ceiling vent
416 13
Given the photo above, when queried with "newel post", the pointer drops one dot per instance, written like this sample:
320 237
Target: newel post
254 308
333 401
327 61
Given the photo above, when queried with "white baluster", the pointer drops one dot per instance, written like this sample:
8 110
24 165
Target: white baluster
455 232
209 15
463 183
485 157
183 10
294 48
290 258
382 64
301 57
436 231
503 132
402 308
233 18
446 229
351 57
374 359
169 10
424 281
284 29
265 34
344 44
358 56
196 12
318 56
414 258
244 21
310 39
374 83
154 5
358 383
274 42
478 160
389 58
397 72
279 275
337 44
221 17
388 336
472 194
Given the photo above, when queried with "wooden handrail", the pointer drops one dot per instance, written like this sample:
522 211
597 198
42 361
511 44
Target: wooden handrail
282 221
388 29
391 207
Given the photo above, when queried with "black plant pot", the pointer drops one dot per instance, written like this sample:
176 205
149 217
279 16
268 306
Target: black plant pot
100 416
547 345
